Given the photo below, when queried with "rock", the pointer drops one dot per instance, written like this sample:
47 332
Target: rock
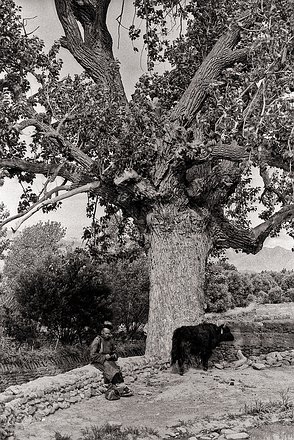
192 438
227 431
219 366
237 436
182 430
258 366
244 366
113 424
7 398
173 424
271 360
240 362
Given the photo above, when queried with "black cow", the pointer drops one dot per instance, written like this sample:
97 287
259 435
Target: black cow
197 340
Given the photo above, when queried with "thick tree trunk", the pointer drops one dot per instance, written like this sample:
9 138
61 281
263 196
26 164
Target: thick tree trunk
179 247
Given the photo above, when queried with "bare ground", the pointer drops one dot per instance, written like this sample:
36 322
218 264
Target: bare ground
166 398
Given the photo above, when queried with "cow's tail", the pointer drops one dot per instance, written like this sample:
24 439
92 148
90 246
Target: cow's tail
176 348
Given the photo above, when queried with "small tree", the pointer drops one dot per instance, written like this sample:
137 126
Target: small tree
262 282
289 295
21 329
30 248
67 295
217 295
129 282
275 295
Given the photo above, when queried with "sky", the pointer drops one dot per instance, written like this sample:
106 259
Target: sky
44 19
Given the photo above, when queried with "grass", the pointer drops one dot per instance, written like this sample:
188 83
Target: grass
260 408
108 432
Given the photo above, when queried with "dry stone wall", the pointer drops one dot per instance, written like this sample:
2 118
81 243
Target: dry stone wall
37 399
257 329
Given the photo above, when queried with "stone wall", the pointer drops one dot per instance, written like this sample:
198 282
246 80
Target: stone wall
21 367
258 330
41 397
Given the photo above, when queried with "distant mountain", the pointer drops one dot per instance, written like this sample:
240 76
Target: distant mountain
274 259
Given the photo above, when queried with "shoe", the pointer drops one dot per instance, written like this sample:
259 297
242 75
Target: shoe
125 392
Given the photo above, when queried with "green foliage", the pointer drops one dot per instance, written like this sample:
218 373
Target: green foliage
66 295
262 282
21 329
4 241
129 281
217 291
112 237
226 288
114 242
31 247
242 107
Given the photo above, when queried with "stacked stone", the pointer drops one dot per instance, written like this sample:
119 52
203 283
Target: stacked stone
136 366
273 359
37 399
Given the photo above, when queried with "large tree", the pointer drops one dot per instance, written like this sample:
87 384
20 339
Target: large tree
176 157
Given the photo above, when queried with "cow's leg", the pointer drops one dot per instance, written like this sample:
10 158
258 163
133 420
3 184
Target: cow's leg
181 358
205 355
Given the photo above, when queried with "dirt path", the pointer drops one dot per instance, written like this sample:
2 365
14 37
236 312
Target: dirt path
167 398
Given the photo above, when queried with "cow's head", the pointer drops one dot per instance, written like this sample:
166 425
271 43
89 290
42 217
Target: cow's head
225 333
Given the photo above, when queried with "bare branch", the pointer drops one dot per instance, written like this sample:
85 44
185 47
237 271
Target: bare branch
47 201
45 197
30 167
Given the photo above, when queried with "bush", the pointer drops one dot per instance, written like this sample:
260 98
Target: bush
67 296
22 330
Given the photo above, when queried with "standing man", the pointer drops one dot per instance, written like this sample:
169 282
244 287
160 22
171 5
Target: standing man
103 356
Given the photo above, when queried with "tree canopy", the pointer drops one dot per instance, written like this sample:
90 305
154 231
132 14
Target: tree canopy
67 295
31 247
226 104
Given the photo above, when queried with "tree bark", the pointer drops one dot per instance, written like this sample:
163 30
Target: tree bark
179 246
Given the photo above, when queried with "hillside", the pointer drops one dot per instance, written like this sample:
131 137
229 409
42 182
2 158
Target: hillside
274 259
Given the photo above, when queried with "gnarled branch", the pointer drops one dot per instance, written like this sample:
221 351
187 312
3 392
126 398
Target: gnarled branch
249 240
80 157
220 57
94 51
